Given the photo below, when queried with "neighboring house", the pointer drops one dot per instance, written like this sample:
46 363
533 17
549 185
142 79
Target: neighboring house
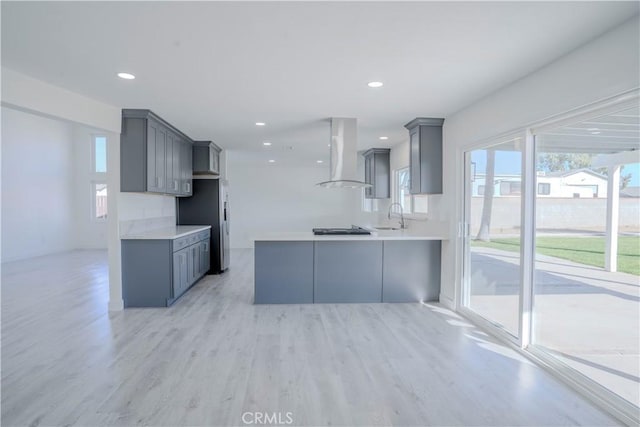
579 183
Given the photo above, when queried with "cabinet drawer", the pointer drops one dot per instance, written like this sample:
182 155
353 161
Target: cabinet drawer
191 239
181 243
204 235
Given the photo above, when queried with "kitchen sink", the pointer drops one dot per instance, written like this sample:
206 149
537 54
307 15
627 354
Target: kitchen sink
387 228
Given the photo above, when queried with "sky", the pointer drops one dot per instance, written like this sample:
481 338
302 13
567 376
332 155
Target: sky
509 163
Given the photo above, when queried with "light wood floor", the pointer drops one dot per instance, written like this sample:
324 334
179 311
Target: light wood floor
213 356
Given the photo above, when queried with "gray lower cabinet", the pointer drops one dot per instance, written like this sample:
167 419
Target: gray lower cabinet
157 272
298 272
283 272
411 270
154 156
347 272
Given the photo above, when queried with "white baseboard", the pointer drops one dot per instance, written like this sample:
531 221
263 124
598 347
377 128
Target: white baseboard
447 302
116 305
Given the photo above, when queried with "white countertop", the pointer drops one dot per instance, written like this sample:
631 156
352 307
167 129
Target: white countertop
375 235
168 233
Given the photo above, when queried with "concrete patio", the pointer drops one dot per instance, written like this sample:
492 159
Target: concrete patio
584 315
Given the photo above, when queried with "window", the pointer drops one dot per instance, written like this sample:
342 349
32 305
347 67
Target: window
403 194
99 197
510 188
99 178
99 154
544 188
480 190
411 204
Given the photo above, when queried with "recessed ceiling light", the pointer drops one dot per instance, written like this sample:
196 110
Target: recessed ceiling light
319 161
267 143
260 123
384 138
375 84
595 133
126 76
272 161
328 145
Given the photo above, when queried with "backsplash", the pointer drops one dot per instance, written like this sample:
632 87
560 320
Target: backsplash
140 212
139 226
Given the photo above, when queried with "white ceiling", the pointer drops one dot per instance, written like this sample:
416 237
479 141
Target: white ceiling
213 69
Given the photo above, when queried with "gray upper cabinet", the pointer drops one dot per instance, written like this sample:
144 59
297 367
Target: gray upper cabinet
425 140
377 172
206 158
172 156
186 154
154 156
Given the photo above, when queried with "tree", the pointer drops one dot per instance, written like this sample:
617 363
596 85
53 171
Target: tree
561 162
484 233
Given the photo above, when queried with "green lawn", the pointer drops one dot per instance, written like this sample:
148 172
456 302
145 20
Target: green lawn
583 250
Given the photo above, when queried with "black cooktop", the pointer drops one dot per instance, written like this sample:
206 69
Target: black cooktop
340 231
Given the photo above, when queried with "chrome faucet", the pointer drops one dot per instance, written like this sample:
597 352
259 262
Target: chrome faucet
402 224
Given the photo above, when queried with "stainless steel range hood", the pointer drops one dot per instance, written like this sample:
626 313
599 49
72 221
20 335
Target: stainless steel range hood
344 155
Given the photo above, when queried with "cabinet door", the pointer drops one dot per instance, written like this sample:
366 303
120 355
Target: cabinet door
381 176
214 161
368 175
283 273
186 167
347 272
197 262
177 165
414 163
189 276
156 157
431 160
171 187
180 273
206 256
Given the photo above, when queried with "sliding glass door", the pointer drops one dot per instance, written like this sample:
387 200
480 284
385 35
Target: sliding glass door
492 233
551 239
586 285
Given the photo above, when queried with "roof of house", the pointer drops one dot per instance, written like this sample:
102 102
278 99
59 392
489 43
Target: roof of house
575 171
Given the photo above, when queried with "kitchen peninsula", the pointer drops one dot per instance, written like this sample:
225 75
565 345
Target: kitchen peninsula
386 266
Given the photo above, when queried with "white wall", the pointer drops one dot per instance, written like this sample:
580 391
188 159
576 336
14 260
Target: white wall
605 67
274 197
24 93
37 179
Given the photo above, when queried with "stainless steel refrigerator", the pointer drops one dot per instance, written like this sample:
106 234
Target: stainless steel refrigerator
209 205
